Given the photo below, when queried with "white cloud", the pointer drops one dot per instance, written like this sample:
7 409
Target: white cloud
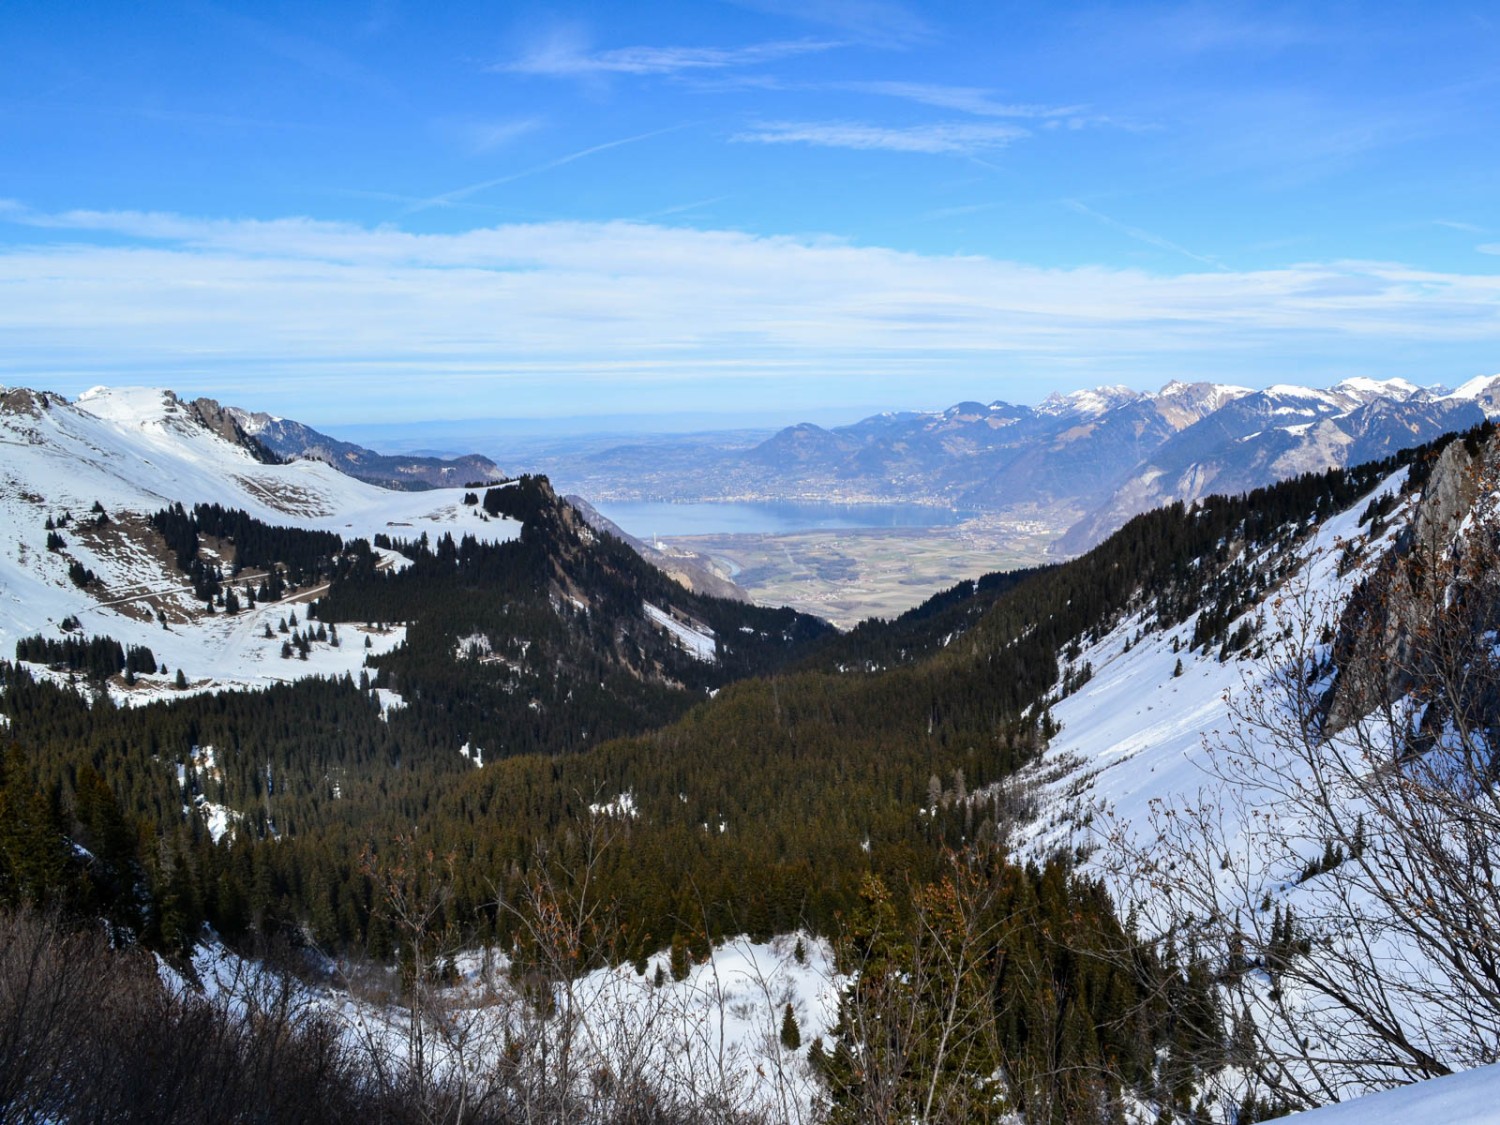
565 56
366 315
1489 248
965 99
960 138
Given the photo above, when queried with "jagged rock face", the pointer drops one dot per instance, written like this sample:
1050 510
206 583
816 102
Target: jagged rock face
23 400
1449 495
1435 594
222 421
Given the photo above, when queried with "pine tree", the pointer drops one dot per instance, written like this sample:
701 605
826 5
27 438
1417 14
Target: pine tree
791 1034
680 961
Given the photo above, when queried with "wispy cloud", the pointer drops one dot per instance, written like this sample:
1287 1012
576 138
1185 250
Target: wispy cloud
1203 28
958 212
449 197
564 55
1142 235
881 23
680 208
478 137
965 99
334 306
310 54
1489 248
938 138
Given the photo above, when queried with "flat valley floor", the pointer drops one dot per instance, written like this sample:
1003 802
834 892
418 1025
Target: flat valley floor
848 575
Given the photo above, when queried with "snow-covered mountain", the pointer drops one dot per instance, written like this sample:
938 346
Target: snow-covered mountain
1259 437
124 454
87 489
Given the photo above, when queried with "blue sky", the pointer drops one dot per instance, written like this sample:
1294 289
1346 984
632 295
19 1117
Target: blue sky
382 211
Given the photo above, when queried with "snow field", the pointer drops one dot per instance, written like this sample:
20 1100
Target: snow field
699 642
717 1030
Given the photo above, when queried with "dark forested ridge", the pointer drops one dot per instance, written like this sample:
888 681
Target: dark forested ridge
792 781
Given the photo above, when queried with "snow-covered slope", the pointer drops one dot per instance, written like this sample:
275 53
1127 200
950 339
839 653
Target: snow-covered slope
714 1034
127 453
1218 790
1470 1098
1135 732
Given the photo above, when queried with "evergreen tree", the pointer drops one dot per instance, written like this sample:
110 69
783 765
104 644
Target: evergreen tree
791 1034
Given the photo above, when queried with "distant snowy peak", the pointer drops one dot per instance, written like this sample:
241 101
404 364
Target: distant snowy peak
254 422
1087 403
1483 390
1369 389
1211 394
1177 399
1182 404
1309 395
1207 396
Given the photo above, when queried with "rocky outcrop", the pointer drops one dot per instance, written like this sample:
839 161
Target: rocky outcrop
23 400
1433 595
220 420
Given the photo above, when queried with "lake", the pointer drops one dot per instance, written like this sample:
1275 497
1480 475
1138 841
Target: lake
647 518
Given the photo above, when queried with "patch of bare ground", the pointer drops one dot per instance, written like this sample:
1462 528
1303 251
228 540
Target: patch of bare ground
286 497
154 589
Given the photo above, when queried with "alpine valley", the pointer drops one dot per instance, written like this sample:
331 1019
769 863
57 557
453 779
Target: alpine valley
350 787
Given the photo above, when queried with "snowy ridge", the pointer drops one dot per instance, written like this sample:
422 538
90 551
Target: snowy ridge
1481 386
134 451
1087 403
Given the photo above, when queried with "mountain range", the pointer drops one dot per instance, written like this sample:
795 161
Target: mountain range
1079 463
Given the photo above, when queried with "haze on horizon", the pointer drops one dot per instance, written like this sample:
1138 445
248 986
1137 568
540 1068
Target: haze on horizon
376 213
